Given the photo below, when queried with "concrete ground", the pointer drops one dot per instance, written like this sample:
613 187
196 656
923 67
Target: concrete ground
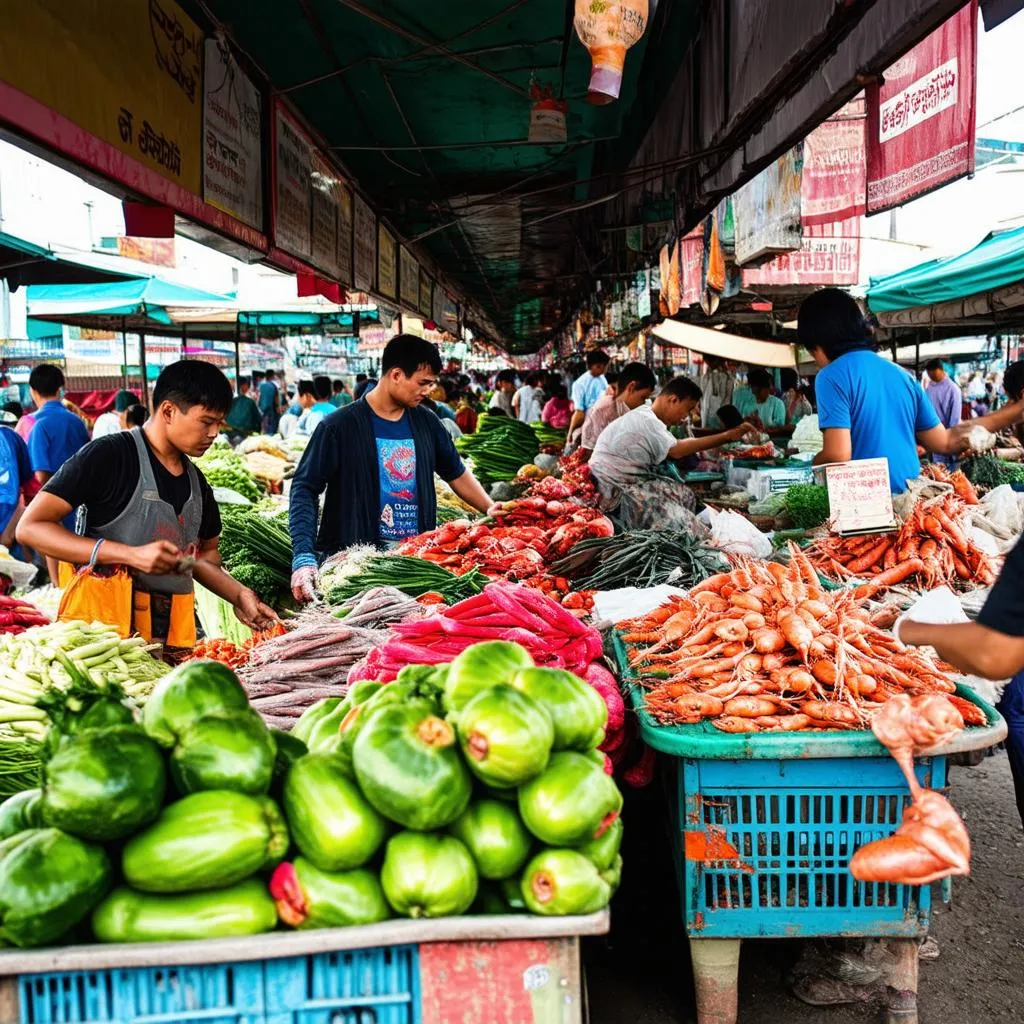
640 973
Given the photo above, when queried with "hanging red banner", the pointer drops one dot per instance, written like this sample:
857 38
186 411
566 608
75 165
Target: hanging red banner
835 169
921 121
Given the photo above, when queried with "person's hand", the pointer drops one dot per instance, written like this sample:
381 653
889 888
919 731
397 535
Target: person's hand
938 607
156 559
743 431
304 583
252 612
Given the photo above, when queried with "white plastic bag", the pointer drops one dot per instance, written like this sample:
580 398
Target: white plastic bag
733 533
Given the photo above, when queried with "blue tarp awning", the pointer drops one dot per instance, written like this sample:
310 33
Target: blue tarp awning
149 298
997 261
25 263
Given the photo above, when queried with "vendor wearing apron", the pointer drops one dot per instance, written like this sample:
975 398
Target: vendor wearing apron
148 511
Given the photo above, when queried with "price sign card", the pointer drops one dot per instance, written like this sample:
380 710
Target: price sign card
859 496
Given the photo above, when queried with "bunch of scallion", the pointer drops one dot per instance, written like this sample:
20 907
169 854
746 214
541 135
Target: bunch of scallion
51 665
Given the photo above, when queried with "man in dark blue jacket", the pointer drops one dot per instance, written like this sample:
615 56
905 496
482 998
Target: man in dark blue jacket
376 459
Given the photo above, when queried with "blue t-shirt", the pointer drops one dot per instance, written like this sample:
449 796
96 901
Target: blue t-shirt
587 389
882 406
396 461
57 435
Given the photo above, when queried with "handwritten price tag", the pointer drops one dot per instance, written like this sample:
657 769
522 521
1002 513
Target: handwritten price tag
859 496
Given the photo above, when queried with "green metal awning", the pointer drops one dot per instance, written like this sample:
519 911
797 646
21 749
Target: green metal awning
25 263
995 263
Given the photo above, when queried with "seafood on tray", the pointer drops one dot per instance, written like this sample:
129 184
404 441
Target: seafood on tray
931 548
764 648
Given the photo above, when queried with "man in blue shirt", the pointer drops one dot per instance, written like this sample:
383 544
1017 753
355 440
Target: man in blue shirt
869 408
376 459
588 388
269 401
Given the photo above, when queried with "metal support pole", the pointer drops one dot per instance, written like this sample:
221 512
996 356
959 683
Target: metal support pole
124 350
142 369
238 355
184 339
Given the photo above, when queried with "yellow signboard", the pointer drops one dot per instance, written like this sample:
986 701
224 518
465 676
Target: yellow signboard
129 72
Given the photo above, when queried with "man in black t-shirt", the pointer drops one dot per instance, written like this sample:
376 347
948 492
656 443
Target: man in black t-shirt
149 509
993 648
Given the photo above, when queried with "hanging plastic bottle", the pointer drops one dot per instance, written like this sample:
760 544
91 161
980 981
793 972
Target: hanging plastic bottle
608 29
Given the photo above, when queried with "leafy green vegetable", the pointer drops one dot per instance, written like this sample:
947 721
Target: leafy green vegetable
224 468
807 505
499 448
987 472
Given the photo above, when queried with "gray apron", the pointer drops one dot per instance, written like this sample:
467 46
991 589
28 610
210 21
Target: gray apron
147 518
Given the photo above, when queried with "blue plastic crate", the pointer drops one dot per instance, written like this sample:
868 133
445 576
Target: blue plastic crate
360 986
365 986
793 826
210 993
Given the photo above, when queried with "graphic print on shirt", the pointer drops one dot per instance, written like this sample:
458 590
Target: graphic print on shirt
399 511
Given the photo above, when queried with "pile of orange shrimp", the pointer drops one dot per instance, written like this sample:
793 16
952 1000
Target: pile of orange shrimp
764 649
961 485
930 549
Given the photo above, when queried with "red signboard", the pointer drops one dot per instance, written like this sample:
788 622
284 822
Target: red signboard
835 170
921 120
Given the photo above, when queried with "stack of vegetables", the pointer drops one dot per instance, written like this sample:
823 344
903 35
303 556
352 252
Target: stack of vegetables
47 668
17 615
256 548
449 505
224 468
549 439
285 675
163 830
500 446
525 537
932 547
490 767
807 505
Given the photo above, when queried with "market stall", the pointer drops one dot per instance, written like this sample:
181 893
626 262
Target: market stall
447 738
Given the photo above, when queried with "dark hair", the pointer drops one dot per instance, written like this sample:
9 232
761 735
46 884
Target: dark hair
636 373
257 376
360 377
934 364
338 384
408 353
305 387
269 373
597 357
831 320
788 378
46 380
16 408
611 378
505 377
535 379
759 378
322 386
124 400
135 415
729 416
557 390
496 410
191 382
1013 380
682 387
447 385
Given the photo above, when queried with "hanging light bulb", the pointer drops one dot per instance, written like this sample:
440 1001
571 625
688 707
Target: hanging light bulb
608 29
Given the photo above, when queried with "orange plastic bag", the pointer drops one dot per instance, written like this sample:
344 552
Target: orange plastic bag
90 597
